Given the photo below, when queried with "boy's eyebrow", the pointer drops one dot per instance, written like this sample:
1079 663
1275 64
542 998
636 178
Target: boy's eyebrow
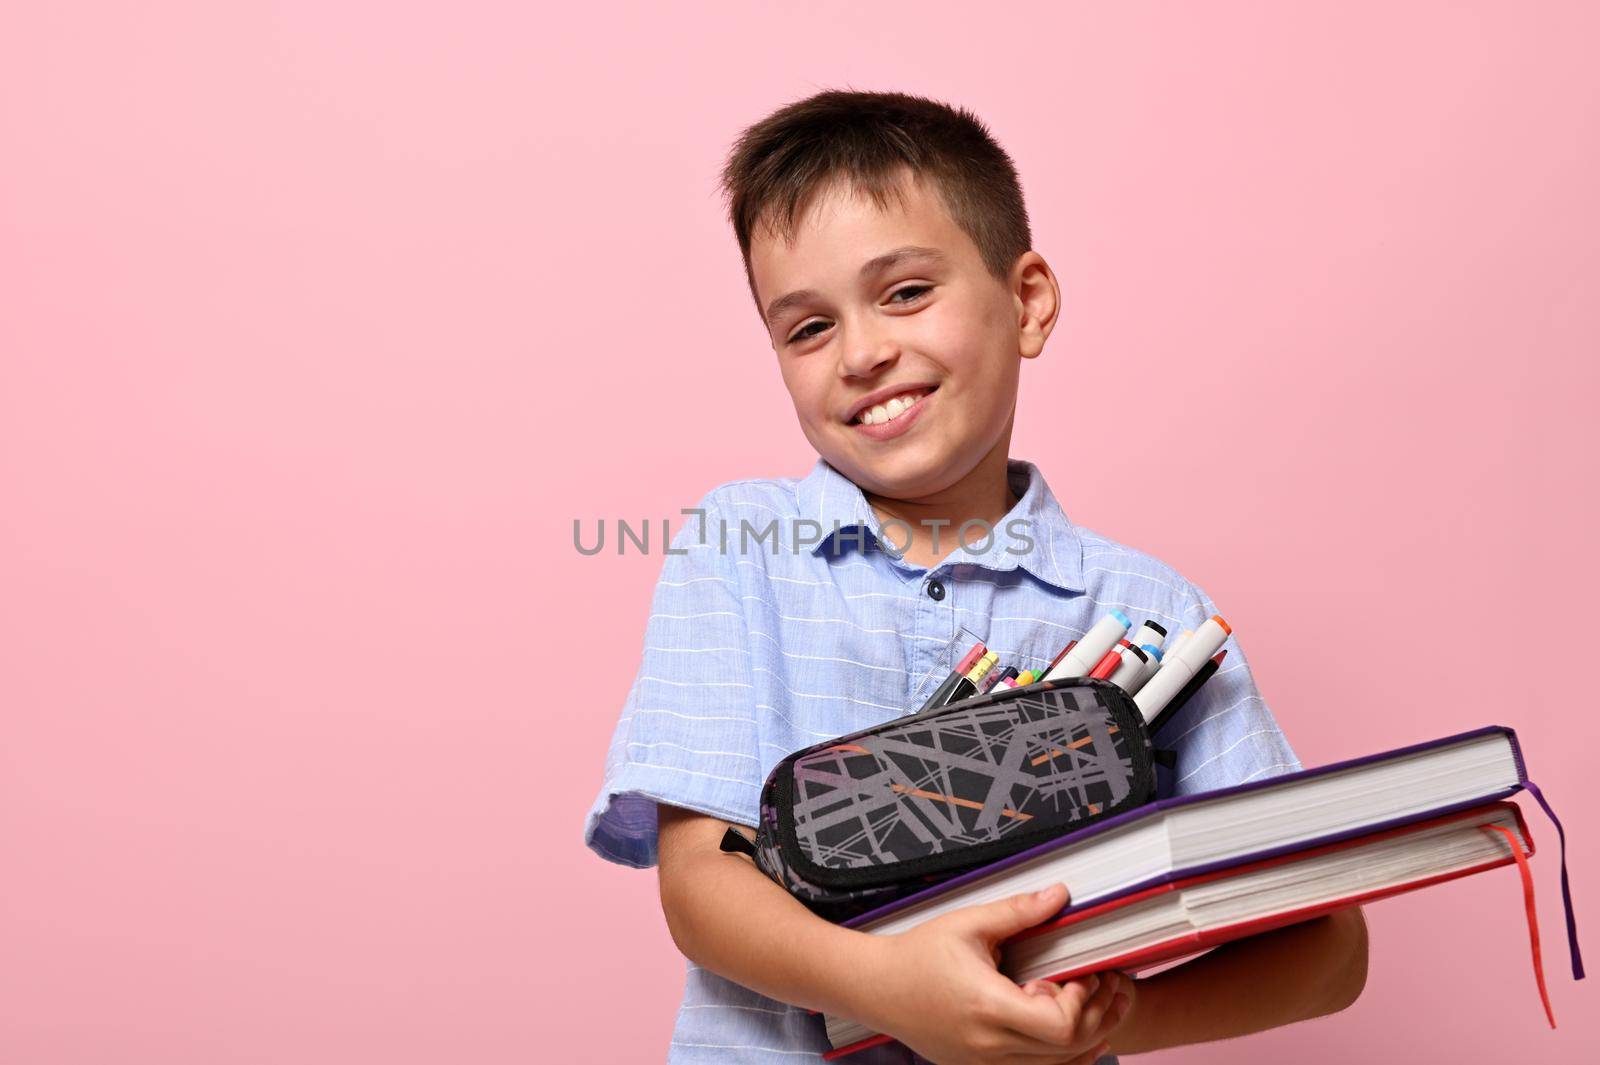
876 264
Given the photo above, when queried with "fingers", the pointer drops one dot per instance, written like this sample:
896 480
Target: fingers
1094 1010
1005 917
1046 1021
1053 1056
1092 1007
1071 997
1121 1003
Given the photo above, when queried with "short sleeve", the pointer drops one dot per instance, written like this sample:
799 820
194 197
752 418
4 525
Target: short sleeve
686 734
1226 734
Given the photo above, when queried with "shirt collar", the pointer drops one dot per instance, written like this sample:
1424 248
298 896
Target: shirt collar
1055 555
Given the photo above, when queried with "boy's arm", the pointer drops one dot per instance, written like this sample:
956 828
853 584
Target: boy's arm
729 917
1276 978
936 988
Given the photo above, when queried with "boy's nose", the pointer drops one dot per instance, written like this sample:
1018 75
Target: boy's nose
868 357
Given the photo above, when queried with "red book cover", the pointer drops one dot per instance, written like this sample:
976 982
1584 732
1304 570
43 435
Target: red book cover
1194 942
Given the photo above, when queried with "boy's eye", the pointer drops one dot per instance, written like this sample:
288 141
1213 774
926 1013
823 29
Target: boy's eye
912 292
803 335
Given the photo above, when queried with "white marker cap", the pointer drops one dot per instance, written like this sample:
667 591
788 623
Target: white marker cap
1180 664
1206 641
1150 634
1151 665
1093 647
1126 675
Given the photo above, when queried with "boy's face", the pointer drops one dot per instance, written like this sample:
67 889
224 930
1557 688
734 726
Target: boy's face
903 367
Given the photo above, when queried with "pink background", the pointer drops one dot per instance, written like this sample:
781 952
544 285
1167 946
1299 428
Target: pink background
322 323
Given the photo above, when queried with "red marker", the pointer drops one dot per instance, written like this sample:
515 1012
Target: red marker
1056 661
970 659
1108 665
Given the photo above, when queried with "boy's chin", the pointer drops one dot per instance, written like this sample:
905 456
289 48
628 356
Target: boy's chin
900 473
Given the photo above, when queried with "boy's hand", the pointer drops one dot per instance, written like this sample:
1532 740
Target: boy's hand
940 992
1110 996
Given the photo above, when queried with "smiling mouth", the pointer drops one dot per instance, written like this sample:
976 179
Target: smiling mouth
894 407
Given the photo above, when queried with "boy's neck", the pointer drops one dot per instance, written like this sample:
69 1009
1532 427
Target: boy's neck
984 494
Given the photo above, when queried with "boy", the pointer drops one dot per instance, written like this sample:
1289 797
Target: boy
888 250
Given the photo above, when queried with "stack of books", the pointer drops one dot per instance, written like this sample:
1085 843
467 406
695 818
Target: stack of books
1183 875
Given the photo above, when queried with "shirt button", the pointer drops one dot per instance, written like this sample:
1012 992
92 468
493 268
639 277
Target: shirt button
935 589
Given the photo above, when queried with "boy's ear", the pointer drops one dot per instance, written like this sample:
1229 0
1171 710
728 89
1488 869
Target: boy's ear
1037 298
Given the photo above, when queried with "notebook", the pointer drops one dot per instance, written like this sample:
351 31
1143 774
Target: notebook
1140 928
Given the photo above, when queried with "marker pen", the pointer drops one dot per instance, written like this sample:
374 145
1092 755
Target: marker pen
1179 667
1056 661
1149 633
967 687
1133 660
1093 647
1026 677
995 677
1178 701
941 694
1150 667
1177 644
1108 665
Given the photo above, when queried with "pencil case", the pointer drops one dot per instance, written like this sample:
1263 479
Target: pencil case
858 821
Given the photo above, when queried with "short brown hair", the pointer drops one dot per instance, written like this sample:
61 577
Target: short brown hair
779 163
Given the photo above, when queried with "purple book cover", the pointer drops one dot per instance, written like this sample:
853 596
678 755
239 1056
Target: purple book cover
1155 809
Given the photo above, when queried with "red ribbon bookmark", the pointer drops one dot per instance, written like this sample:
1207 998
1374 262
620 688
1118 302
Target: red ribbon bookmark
1533 917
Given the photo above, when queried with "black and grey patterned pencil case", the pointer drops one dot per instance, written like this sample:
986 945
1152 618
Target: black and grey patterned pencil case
858 821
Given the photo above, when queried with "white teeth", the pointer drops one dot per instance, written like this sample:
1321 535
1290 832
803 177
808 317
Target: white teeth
884 412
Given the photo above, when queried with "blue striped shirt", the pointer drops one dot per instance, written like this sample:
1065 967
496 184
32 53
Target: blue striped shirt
814 631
